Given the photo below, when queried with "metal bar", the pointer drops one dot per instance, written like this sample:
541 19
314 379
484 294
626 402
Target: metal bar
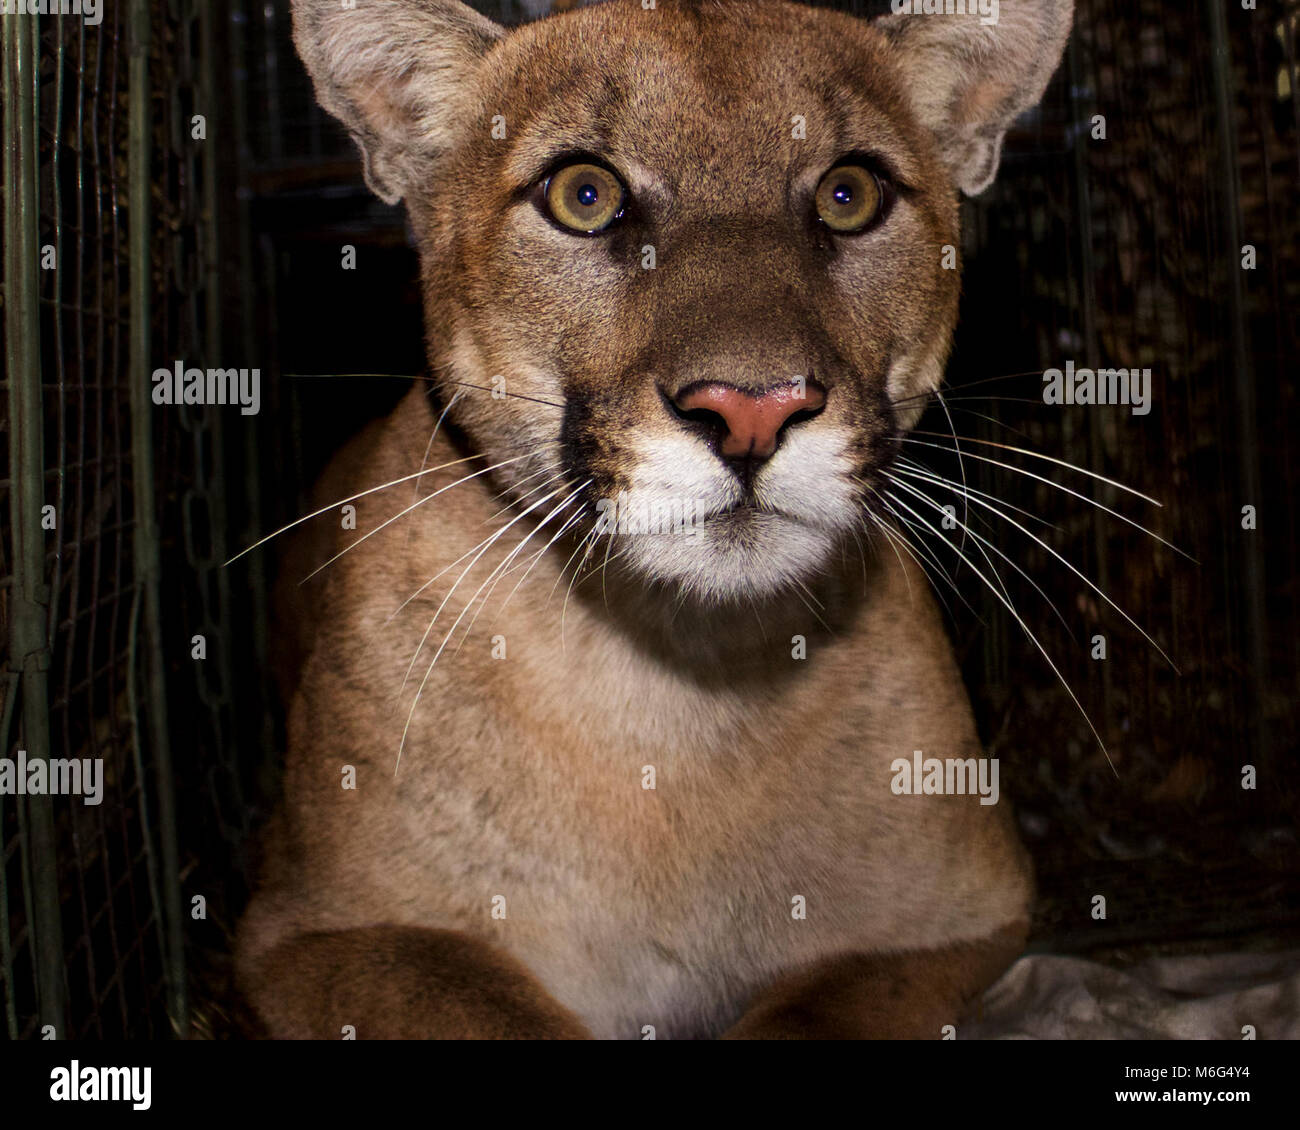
146 544
29 645
1248 466
1079 118
211 106
6 948
251 449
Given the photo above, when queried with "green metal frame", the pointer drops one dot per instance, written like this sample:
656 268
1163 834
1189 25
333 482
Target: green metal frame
29 643
146 547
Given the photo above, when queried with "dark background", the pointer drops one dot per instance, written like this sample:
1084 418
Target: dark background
1124 251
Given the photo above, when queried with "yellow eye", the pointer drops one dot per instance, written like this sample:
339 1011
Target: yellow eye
584 198
848 198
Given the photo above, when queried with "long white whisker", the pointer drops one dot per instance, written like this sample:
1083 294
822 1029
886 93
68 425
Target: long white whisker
1023 626
564 608
951 400
448 568
416 701
965 529
969 384
498 495
604 571
486 544
344 501
482 548
1033 455
1078 573
985 541
568 525
402 513
424 461
438 427
920 546
961 463
892 545
862 556
502 569
1078 495
921 468
440 573
811 595
578 549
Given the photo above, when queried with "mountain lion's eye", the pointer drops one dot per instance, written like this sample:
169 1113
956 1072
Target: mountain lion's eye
584 198
848 198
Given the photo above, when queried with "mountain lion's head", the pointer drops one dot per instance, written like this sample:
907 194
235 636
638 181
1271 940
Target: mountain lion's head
705 248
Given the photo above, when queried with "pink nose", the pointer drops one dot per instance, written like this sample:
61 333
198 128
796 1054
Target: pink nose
752 421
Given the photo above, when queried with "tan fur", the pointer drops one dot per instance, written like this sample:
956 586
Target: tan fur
521 776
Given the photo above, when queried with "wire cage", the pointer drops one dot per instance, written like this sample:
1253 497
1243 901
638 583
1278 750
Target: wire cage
1149 221
90 937
174 195
116 608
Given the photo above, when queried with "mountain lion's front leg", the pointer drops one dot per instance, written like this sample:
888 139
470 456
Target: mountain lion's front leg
904 996
401 983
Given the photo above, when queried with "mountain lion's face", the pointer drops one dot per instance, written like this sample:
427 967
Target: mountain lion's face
702 251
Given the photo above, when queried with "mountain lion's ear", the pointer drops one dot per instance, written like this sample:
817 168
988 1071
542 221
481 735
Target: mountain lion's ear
968 80
393 72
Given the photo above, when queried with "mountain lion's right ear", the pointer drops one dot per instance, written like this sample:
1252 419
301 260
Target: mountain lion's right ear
394 72
969 80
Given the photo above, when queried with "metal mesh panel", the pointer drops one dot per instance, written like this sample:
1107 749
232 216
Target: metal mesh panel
1127 251
97 967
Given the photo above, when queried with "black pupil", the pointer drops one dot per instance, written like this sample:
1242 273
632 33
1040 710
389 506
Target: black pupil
843 194
587 195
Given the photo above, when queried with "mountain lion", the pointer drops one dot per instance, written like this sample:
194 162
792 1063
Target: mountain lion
598 707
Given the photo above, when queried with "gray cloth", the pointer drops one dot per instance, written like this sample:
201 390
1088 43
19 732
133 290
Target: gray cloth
1211 997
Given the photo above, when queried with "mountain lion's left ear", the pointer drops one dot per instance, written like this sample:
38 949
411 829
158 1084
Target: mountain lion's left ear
968 80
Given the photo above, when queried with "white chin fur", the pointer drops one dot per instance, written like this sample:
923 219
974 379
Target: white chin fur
745 555
720 563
